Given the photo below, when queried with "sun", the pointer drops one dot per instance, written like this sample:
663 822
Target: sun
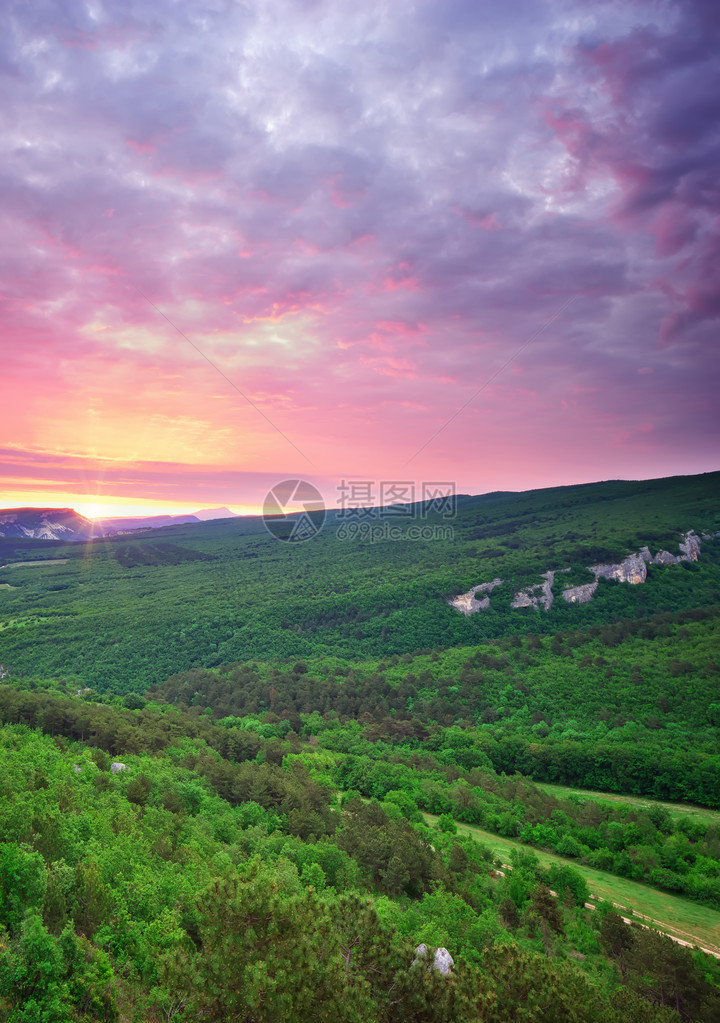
93 509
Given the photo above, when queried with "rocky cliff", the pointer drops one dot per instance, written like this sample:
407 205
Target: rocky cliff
540 595
468 603
633 569
46 524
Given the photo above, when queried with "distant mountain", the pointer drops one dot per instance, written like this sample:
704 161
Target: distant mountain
206 514
157 521
66 524
145 522
47 524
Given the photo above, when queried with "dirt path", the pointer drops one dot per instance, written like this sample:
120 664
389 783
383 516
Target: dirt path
687 923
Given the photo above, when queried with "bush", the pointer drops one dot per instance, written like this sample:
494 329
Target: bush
447 824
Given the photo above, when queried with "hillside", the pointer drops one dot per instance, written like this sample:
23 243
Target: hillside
46 524
144 522
123 612
210 870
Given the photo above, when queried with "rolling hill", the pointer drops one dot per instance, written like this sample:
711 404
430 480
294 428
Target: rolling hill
123 612
202 726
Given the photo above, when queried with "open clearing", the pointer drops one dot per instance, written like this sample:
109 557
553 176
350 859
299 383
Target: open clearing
27 564
676 810
678 917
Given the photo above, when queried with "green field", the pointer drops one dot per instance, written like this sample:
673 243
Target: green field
677 917
676 810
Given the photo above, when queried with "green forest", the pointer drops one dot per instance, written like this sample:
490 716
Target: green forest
246 780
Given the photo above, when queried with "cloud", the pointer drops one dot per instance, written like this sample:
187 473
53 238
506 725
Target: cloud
653 126
159 482
453 169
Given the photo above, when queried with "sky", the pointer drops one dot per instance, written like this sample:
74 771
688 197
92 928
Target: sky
427 240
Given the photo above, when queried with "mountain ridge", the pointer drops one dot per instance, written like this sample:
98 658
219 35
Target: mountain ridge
50 523
47 524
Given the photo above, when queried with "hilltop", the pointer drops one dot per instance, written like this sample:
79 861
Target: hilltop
46 524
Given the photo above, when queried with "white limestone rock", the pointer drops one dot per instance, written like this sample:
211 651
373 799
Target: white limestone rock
116 767
632 570
443 961
540 595
690 546
580 594
468 603
665 558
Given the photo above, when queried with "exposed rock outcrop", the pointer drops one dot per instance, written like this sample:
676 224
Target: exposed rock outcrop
632 569
116 767
690 547
442 961
540 595
580 594
665 558
468 603
46 524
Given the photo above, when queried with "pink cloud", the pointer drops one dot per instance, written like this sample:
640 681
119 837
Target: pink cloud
308 219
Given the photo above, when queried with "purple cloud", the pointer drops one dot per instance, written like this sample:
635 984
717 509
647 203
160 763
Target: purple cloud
360 212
